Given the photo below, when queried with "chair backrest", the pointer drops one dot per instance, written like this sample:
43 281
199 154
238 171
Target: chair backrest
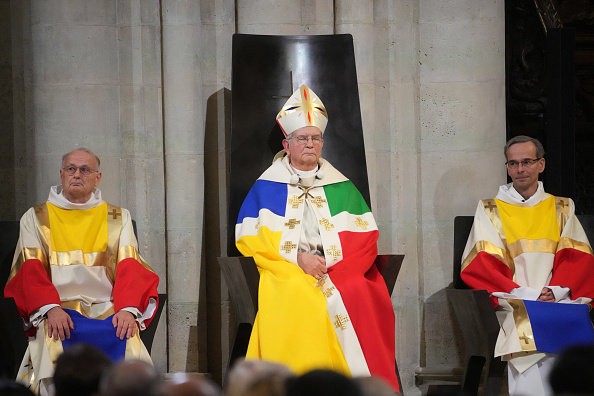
266 70
463 225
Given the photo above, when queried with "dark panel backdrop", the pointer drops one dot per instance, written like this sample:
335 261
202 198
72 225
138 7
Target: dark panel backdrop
266 70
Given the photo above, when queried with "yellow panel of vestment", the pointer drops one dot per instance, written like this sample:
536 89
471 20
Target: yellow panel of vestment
292 326
84 230
533 223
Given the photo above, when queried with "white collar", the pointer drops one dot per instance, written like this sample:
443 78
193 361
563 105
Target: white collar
56 197
507 193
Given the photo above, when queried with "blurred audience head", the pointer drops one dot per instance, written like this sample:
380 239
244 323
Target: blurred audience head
374 386
573 371
246 374
182 384
130 378
79 369
323 383
9 387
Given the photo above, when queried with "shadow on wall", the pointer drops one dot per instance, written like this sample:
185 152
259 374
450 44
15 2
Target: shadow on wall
213 308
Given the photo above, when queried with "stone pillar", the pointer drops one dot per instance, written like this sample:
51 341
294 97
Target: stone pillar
461 138
184 157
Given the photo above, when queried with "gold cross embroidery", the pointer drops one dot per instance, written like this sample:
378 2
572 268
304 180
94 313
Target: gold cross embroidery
306 192
490 206
320 283
526 338
326 224
294 201
288 246
292 222
562 203
360 223
328 292
257 224
341 322
114 213
318 201
333 251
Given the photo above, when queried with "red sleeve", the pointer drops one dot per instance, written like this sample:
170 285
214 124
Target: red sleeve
489 273
134 286
574 269
31 288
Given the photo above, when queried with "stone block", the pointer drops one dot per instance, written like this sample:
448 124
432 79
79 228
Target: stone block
183 338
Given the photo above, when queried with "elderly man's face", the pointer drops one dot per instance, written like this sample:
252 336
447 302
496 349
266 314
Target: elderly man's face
77 186
304 155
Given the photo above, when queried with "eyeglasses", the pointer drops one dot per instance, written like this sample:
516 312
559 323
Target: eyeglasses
84 170
303 139
528 162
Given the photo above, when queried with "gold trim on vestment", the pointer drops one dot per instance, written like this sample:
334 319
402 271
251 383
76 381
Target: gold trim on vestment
566 242
78 307
133 347
73 257
562 209
533 246
523 326
27 254
489 248
495 219
131 252
54 347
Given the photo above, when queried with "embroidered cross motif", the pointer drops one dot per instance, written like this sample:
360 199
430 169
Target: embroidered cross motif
257 224
318 201
294 201
360 223
333 251
526 338
114 213
328 292
320 283
491 206
306 192
288 246
326 224
292 222
562 203
341 322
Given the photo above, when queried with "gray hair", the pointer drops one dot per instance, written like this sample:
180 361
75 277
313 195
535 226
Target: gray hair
86 150
540 152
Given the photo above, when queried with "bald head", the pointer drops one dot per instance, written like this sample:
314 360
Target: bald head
117 381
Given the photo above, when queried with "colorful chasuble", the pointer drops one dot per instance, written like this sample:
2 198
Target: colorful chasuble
515 249
72 258
344 321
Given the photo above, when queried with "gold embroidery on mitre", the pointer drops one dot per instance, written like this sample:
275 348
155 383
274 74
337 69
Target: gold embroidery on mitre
318 201
294 201
326 224
288 246
341 321
292 223
334 251
361 223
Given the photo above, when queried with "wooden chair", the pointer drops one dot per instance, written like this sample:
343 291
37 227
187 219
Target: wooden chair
13 342
477 320
265 71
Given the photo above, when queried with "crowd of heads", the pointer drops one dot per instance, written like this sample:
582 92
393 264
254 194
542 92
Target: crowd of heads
84 370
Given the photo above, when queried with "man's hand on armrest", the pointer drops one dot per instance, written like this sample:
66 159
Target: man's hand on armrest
59 324
312 264
125 323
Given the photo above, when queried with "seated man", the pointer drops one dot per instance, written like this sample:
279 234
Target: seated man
77 275
322 302
526 248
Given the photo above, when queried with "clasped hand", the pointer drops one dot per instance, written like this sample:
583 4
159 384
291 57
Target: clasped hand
312 264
